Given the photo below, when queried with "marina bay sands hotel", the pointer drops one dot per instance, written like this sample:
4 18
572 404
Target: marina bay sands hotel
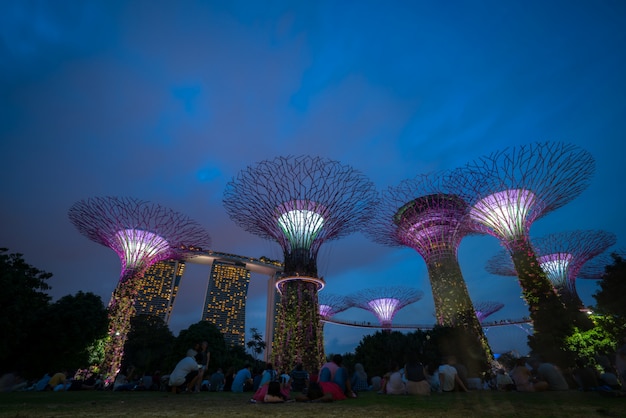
226 293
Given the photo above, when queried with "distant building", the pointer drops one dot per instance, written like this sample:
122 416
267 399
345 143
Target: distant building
225 301
158 289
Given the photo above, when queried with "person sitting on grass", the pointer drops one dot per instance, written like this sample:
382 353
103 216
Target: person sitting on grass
449 379
269 376
322 392
274 393
333 371
185 375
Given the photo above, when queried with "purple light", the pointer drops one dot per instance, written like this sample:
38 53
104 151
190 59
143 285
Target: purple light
326 311
384 308
137 248
506 214
431 223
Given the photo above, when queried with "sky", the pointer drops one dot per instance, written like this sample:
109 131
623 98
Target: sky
167 101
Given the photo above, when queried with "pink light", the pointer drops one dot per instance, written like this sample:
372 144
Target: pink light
506 213
384 308
136 247
326 311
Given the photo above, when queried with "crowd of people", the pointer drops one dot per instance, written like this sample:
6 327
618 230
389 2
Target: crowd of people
334 382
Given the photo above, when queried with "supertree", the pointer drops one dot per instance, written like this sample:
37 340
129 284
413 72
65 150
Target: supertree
300 202
595 268
561 256
141 234
330 305
385 302
509 190
487 308
427 214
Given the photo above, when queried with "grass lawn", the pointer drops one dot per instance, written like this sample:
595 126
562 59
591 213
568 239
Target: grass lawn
161 404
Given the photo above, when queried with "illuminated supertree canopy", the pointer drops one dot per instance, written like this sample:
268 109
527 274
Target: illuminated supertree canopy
332 304
141 234
487 308
427 214
385 302
507 191
561 256
299 202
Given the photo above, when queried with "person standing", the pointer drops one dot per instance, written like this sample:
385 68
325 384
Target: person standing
203 357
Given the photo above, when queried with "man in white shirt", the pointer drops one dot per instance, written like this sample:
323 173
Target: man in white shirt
185 372
449 379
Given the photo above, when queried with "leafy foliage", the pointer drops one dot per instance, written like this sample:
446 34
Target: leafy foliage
221 355
610 297
256 345
598 340
149 343
73 322
22 301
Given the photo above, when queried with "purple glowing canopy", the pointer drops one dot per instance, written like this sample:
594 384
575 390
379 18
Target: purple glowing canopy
561 255
510 189
385 302
486 309
331 304
424 213
141 233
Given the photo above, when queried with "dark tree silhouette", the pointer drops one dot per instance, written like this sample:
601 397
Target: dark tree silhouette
22 301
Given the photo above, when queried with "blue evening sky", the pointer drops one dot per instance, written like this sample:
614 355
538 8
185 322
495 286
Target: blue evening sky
166 101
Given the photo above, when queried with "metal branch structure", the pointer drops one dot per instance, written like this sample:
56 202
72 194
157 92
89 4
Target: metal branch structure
332 304
510 189
427 214
299 202
595 268
385 302
487 308
561 256
141 234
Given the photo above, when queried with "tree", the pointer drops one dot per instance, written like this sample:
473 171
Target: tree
256 345
221 355
149 343
71 324
22 300
609 318
610 297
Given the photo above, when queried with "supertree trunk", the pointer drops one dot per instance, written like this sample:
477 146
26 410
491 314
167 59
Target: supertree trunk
299 338
121 310
453 305
546 308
